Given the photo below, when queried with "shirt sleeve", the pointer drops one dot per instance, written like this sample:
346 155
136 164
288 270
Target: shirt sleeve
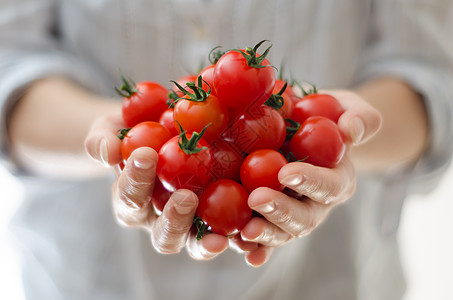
413 40
30 50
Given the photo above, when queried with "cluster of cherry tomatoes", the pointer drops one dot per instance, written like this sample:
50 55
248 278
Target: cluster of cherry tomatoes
226 131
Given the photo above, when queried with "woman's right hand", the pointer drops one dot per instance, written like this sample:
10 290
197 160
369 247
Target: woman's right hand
169 232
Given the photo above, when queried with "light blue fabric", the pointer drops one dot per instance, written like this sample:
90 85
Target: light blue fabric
72 247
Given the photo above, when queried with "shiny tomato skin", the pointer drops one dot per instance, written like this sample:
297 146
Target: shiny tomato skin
223 206
260 169
194 116
227 160
146 104
259 128
323 105
318 142
145 134
166 119
178 170
240 86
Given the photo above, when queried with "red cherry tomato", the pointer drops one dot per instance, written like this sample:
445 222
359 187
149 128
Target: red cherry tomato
323 105
260 169
227 160
145 134
240 84
319 142
223 206
177 169
166 119
195 115
144 101
260 128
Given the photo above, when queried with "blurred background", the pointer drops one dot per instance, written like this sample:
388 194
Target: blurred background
426 238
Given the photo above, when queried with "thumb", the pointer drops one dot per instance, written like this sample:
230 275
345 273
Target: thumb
360 121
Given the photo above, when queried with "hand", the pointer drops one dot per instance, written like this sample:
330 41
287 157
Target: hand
318 189
171 231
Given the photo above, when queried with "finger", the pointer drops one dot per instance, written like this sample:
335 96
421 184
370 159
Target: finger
259 230
208 247
360 121
297 218
324 185
260 256
134 186
169 232
102 142
240 245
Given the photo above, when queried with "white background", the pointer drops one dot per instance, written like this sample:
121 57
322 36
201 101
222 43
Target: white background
426 236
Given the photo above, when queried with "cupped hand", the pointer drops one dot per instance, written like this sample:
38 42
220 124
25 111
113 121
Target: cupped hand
315 190
171 231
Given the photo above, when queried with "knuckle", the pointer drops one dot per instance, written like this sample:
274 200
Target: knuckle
284 218
125 220
164 246
132 192
169 238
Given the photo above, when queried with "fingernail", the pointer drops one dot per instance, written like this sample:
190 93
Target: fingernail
292 180
104 153
143 162
265 208
182 206
357 130
255 239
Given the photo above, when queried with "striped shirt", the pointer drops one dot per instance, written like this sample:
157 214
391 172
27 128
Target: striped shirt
72 247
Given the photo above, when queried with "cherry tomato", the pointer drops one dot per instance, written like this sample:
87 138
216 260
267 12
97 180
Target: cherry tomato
223 206
195 115
260 169
166 119
227 160
319 142
260 128
198 109
144 101
185 162
242 83
145 134
315 104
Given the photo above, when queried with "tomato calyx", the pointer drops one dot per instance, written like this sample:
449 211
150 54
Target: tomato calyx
172 99
198 95
215 55
290 157
123 132
127 89
291 128
191 146
251 57
313 90
202 227
276 101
